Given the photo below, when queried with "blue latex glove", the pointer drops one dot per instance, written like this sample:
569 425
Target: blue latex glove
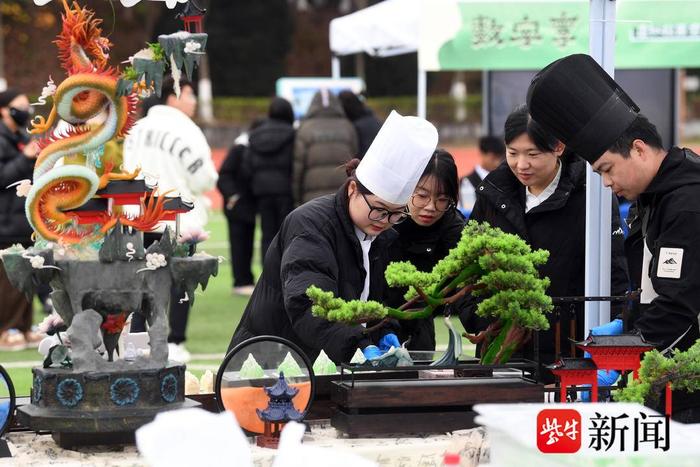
388 341
605 378
371 351
613 328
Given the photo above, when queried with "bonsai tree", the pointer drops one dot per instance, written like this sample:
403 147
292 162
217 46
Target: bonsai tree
682 370
499 267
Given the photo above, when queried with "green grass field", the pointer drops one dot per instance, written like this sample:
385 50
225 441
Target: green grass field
213 318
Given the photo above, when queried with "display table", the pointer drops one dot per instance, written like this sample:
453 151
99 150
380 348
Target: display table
30 449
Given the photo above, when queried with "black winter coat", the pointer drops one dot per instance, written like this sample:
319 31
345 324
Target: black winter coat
367 128
325 141
316 245
14 166
670 222
672 212
633 251
270 158
424 247
235 180
557 225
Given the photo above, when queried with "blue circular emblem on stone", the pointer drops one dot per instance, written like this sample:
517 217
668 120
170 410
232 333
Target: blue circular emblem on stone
168 388
69 392
124 391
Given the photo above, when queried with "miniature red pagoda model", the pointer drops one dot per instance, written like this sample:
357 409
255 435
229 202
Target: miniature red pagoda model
129 193
279 410
125 192
191 16
622 353
573 371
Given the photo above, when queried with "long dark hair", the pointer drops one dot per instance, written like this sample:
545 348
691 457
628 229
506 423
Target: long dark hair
519 122
352 105
442 166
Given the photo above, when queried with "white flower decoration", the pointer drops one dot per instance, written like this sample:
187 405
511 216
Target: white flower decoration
22 187
153 262
37 261
47 91
192 47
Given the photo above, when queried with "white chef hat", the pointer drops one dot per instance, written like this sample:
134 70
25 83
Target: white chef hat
394 162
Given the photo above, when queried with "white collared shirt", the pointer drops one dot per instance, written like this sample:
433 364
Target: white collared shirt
532 201
366 244
467 192
482 172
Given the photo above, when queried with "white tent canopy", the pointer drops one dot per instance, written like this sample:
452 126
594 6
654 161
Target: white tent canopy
385 29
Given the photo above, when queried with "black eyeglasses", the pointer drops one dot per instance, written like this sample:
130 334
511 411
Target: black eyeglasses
379 214
442 203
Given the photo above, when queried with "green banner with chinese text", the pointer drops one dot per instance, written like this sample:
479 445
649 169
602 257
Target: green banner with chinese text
517 35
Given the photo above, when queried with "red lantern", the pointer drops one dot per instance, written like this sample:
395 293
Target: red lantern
191 16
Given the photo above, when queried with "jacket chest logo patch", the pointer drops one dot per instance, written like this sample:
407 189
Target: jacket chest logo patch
670 263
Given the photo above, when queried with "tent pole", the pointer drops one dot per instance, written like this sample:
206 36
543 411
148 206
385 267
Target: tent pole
599 198
422 92
335 67
678 102
485 103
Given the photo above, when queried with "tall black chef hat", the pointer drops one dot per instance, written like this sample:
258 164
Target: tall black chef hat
578 102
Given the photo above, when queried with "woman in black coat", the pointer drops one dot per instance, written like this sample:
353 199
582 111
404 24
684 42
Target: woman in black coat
269 158
240 211
319 244
540 195
433 229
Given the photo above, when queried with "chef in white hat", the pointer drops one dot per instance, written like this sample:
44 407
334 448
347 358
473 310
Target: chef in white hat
339 243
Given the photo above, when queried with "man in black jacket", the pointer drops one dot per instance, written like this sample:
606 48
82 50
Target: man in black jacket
17 156
666 185
587 110
492 152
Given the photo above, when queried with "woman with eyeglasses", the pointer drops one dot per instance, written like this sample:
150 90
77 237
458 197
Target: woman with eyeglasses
540 195
434 227
340 243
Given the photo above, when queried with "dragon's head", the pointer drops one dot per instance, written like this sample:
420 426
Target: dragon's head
80 43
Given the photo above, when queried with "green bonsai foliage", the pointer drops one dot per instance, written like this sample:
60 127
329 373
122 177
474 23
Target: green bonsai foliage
486 262
682 370
157 49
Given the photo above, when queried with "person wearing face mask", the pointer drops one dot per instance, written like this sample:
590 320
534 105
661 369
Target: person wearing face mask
17 156
434 228
540 195
339 243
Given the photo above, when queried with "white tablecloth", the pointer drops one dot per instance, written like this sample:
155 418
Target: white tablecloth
30 449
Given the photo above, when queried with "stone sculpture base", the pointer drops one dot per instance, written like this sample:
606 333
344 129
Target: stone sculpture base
95 408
